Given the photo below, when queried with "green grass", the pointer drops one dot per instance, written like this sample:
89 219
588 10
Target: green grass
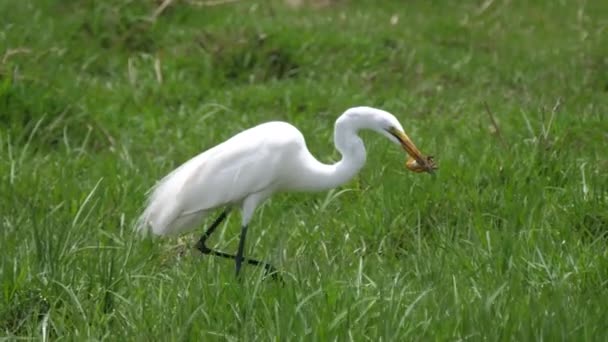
507 242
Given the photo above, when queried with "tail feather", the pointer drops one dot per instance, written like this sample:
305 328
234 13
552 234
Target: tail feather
164 211
159 217
162 206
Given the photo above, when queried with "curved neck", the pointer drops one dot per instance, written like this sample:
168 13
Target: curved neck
319 176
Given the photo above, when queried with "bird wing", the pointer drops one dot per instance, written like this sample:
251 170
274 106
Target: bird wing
235 170
245 164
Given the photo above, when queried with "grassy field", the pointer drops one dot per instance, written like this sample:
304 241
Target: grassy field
98 99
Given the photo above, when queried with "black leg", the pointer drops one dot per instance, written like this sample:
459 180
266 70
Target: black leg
268 268
239 253
202 246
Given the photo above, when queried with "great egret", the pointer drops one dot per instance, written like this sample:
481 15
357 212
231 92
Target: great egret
248 168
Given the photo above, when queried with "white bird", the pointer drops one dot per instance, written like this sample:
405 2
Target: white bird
248 168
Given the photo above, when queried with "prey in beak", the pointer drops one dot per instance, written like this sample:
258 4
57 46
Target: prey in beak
417 162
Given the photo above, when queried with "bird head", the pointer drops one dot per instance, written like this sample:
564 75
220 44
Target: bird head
387 124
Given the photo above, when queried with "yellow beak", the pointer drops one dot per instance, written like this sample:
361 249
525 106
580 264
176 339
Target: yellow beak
417 162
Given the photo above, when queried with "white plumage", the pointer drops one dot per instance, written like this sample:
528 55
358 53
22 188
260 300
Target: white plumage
246 169
246 164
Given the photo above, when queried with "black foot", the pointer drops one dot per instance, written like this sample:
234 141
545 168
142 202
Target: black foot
269 270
